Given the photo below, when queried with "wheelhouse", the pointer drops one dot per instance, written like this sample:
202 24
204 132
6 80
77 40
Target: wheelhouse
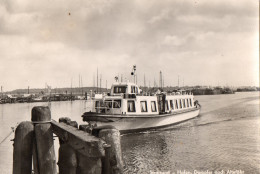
124 88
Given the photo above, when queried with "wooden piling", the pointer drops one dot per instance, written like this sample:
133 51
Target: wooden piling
81 152
113 161
67 155
23 145
64 120
82 142
85 128
68 121
35 158
88 165
67 159
41 116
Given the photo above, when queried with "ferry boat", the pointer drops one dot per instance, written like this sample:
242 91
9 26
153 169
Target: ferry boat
130 110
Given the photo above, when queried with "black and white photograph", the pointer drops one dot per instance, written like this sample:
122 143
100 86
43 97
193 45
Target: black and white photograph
129 87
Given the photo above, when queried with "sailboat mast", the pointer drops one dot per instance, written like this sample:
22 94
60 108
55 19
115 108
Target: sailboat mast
100 82
97 80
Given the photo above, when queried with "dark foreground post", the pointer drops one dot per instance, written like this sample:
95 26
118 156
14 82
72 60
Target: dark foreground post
41 117
88 165
113 162
67 159
81 151
67 155
23 144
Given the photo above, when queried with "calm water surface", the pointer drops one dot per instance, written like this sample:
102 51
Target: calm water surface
226 136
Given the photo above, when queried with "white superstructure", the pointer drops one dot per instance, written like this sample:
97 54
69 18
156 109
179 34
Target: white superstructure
127 108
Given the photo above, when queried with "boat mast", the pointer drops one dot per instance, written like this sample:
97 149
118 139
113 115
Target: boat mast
160 80
79 83
97 80
133 74
100 82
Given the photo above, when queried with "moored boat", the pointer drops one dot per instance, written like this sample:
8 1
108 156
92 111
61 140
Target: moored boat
128 109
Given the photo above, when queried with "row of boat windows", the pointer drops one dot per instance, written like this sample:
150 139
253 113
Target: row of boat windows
130 105
110 103
119 89
174 104
179 104
122 89
143 105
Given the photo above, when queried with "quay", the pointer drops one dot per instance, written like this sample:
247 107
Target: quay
30 98
83 149
43 95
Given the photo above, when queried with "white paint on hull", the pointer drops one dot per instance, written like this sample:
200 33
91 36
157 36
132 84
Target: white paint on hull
135 124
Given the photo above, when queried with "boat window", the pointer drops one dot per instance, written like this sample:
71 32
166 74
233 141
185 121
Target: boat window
97 104
136 89
166 105
184 103
171 104
153 106
108 103
143 106
119 89
180 103
132 89
117 104
176 104
188 103
131 106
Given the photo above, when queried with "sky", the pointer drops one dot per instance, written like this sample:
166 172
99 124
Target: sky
54 41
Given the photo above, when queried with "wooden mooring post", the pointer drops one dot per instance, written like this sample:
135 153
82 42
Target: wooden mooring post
67 155
86 150
45 154
23 144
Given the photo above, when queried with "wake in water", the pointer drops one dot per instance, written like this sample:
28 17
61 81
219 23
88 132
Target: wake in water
220 138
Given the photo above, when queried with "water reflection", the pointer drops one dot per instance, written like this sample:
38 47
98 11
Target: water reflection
153 148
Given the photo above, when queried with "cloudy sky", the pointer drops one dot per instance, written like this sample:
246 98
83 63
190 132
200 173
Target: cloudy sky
53 41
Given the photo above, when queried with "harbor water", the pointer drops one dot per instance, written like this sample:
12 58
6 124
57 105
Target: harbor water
224 138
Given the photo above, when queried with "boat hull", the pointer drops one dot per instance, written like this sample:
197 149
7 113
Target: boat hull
136 123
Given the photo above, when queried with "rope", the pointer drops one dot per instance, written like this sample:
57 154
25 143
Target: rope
8 135
13 129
